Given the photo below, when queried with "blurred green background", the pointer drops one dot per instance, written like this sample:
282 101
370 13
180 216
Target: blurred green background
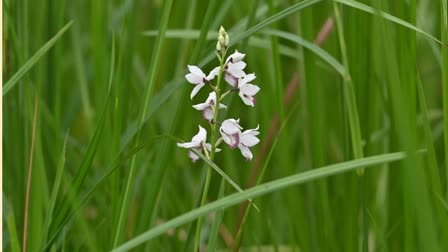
114 80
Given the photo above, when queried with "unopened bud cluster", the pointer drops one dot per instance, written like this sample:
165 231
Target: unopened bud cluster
223 40
232 71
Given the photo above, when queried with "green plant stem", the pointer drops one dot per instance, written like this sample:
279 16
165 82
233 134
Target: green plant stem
213 149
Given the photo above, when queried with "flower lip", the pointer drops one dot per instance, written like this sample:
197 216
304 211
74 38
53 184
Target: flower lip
208 106
248 139
230 132
247 91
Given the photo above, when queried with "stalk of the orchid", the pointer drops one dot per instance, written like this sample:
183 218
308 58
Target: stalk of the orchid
214 145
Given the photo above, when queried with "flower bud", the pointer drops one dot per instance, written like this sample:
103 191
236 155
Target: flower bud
222 31
223 38
218 46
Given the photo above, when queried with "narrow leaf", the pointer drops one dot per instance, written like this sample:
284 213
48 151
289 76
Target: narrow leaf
30 63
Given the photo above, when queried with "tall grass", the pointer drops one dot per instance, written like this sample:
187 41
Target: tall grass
368 98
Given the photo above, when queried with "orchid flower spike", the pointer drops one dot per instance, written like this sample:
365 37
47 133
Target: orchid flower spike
248 139
230 131
197 142
234 68
198 78
208 106
247 91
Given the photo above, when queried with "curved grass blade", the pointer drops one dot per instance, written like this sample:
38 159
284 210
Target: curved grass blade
280 15
119 160
312 47
9 220
259 190
81 174
30 63
386 16
182 34
241 227
221 172
56 186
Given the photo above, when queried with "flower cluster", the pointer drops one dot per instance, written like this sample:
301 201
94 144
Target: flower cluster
232 71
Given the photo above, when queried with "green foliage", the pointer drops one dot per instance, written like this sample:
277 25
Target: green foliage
113 100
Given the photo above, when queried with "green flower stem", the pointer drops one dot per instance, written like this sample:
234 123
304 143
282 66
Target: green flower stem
213 149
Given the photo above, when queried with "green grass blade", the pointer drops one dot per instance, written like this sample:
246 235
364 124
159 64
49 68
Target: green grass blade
274 18
119 160
9 218
214 232
386 16
220 172
260 190
55 191
30 63
312 47
355 128
81 173
154 65
444 50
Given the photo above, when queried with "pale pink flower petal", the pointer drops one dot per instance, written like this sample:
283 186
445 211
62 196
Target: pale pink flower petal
196 89
246 152
235 57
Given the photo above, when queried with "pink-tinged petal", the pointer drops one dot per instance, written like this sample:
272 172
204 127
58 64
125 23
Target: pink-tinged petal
231 126
196 71
226 138
249 140
231 140
246 152
237 65
235 57
208 146
193 156
249 89
193 79
211 99
231 80
235 140
247 100
187 145
213 74
201 106
236 73
196 89
254 132
208 114
248 78
200 137
236 70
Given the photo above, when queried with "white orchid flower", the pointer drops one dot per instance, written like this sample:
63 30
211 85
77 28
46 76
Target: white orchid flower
198 78
247 90
230 131
234 68
208 106
197 142
248 139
